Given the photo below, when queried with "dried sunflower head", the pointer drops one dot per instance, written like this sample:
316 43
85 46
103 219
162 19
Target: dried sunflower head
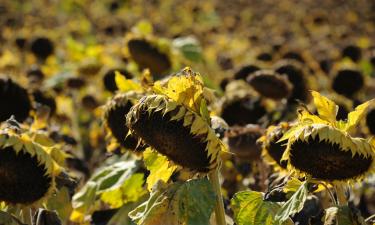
242 141
321 147
293 70
27 169
272 149
270 84
114 118
14 100
148 56
348 81
176 123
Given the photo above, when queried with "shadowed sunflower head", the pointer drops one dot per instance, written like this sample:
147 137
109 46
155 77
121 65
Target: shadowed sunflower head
321 147
242 141
146 55
114 118
176 123
14 100
272 150
27 171
370 120
270 84
348 81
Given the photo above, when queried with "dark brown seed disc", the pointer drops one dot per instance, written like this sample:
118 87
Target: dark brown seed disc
45 99
347 82
42 47
370 121
243 142
353 52
172 139
115 119
270 85
243 111
147 56
296 76
14 100
326 161
22 179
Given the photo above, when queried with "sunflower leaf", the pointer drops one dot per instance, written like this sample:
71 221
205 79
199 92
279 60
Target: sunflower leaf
189 203
125 85
293 205
327 109
250 209
342 215
130 191
355 116
159 167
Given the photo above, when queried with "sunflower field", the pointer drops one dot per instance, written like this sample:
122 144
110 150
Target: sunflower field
172 112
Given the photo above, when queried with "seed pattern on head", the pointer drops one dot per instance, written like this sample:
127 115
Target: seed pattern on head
325 160
175 131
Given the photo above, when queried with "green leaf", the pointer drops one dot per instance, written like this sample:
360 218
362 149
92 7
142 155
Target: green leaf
293 205
159 167
355 116
125 85
342 215
7 219
130 191
122 217
250 209
61 203
327 109
189 203
292 185
189 47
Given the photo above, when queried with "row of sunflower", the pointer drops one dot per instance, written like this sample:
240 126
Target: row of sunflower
100 124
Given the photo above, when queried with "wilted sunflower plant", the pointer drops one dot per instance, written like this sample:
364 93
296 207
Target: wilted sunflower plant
317 152
31 173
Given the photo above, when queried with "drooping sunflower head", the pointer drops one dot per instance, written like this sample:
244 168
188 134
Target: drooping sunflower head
293 70
242 141
321 147
270 84
147 55
114 118
27 171
348 81
272 149
14 100
176 123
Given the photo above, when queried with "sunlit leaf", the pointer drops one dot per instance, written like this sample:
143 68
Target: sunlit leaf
159 167
189 47
125 85
189 203
293 205
327 109
130 191
250 209
355 116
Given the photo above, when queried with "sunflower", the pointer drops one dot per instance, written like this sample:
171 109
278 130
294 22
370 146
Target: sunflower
176 123
348 81
14 100
272 150
321 147
27 169
114 119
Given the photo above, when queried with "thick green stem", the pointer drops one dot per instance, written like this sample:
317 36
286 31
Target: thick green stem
219 208
341 197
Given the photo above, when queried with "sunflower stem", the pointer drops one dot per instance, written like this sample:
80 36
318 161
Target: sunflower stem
341 197
219 208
